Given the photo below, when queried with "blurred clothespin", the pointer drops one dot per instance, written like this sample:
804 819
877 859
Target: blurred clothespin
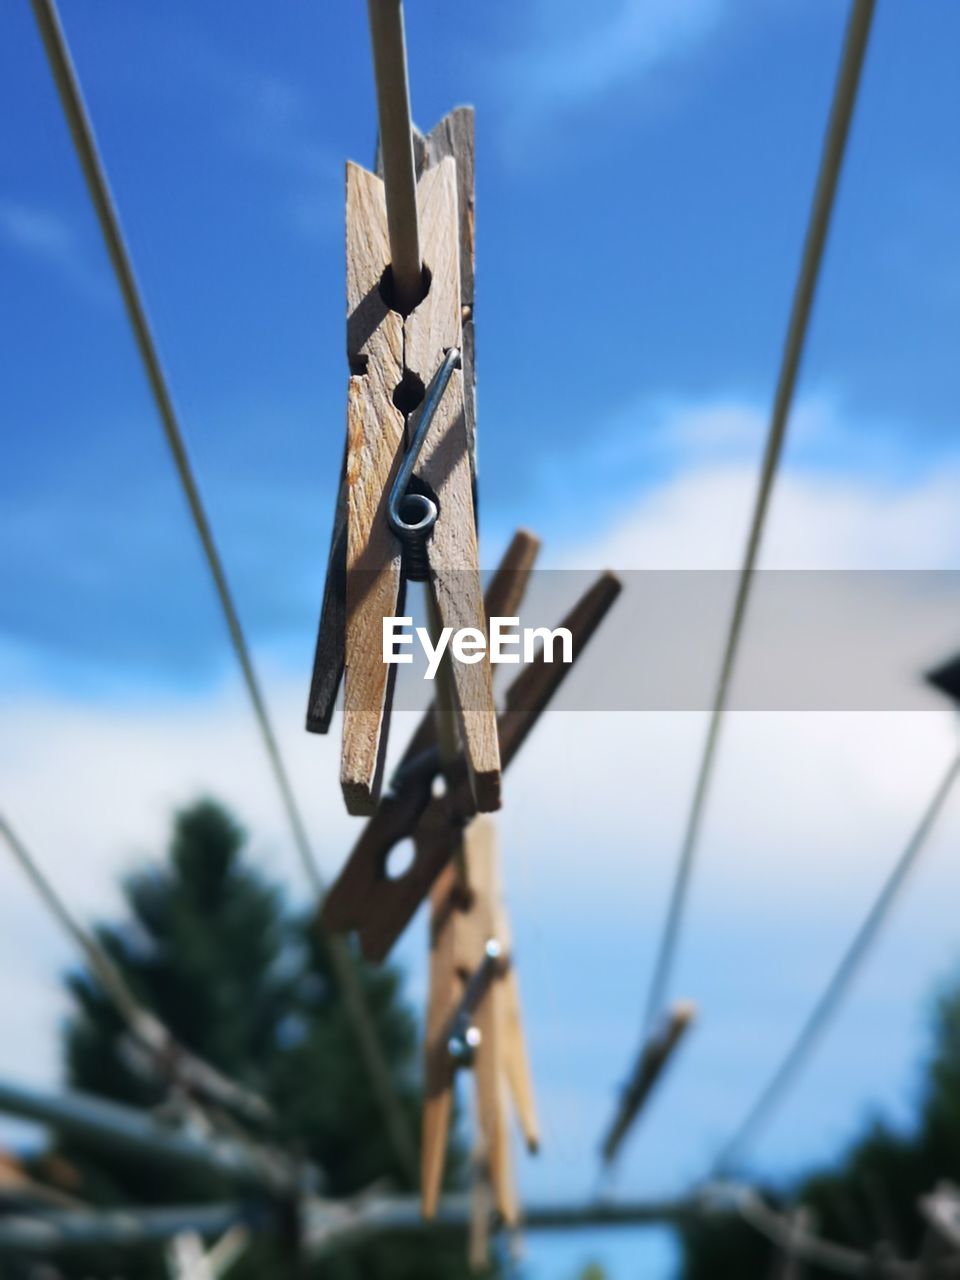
946 679
654 1058
473 1020
379 906
801 1225
405 509
189 1259
941 1211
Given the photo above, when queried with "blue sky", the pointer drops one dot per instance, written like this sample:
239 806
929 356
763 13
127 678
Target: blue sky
644 175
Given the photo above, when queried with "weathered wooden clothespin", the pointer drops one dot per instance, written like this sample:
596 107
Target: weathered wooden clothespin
365 897
502 598
653 1061
405 508
473 1020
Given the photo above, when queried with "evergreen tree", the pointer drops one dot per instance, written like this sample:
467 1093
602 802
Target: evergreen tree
870 1198
245 984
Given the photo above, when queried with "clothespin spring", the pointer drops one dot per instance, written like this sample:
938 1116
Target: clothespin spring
464 1038
411 513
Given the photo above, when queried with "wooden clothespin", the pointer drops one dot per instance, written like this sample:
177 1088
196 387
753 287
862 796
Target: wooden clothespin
946 679
428 531
653 1061
364 897
502 598
473 1019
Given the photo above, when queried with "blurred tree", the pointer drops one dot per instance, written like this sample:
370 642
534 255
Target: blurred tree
247 985
869 1200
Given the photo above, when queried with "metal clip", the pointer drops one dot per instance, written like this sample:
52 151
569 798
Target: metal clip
412 514
464 1037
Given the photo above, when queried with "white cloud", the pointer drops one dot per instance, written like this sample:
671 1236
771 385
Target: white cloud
807 814
47 237
36 230
560 55
575 51
699 520
867 516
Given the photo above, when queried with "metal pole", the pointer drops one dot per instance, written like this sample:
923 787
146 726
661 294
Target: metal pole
135 1132
396 147
83 1228
329 1226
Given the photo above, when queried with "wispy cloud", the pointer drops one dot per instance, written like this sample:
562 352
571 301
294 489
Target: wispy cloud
586 50
570 53
49 238
238 102
269 118
705 451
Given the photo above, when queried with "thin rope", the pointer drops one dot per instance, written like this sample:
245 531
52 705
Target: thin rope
831 164
840 981
193 1072
84 140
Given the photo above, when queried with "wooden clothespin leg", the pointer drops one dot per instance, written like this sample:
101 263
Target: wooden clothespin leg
473 1018
502 598
516 1060
364 896
393 360
432 330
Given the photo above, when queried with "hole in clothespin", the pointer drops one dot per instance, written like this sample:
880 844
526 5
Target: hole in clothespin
399 859
408 393
388 291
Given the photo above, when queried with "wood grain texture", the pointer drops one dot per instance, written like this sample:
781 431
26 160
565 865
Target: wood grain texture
488 920
444 466
444 992
490 1083
434 327
516 1060
454 137
362 897
502 599
375 439
460 927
